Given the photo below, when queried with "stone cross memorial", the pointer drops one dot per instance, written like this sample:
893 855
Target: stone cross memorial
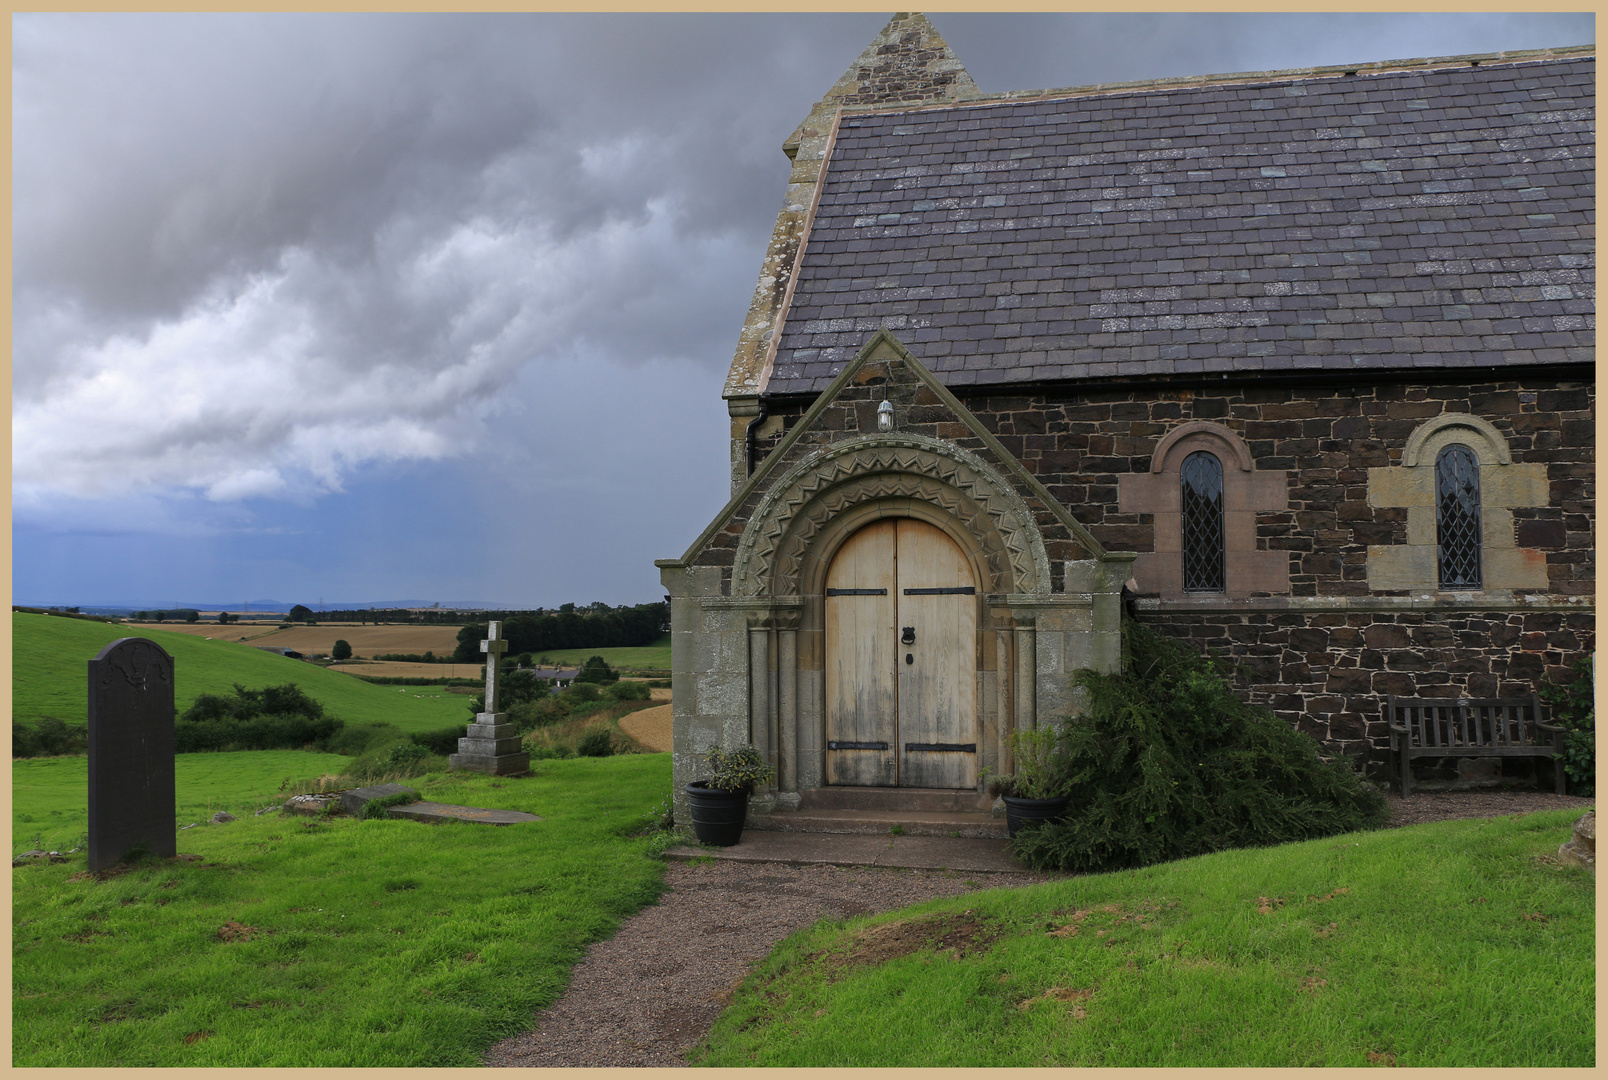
131 789
491 746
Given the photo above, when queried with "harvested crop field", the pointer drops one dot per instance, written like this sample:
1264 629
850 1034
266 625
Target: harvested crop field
650 727
364 640
393 669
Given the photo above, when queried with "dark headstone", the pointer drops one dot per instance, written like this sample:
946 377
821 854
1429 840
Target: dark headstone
131 788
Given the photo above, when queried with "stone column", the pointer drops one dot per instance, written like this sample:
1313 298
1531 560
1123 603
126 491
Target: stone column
759 690
1025 695
787 716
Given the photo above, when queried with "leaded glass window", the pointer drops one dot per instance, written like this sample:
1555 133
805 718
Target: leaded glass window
1201 476
1457 517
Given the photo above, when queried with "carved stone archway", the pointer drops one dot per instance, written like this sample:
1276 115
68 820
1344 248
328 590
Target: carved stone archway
793 526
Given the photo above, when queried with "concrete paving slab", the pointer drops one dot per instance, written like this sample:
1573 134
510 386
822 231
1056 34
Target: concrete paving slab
438 812
972 854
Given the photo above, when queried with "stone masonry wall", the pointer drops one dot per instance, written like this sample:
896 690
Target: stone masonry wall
1326 671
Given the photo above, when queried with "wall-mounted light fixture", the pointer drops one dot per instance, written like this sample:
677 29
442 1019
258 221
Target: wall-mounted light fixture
885 416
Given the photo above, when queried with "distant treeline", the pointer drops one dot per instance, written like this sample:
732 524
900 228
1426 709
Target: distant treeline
596 627
455 618
169 615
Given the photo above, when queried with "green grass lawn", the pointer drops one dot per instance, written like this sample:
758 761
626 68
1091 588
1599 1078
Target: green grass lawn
49 796
50 677
656 655
1460 943
343 942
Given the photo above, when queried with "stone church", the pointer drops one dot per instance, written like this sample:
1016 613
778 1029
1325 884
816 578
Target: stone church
1295 366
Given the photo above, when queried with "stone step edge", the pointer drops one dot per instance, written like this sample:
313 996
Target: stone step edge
916 823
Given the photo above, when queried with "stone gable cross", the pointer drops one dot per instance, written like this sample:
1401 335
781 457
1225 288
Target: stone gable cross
494 646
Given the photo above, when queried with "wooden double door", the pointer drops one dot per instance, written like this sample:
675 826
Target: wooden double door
901 659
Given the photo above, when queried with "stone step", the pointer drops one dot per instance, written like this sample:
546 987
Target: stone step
882 822
924 800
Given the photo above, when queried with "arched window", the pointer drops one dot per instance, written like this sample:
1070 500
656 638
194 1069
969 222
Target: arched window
1201 479
1457 517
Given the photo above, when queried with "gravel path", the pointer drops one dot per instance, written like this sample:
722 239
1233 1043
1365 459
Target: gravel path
650 993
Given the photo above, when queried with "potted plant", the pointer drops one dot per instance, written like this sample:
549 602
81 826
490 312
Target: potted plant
1040 788
720 803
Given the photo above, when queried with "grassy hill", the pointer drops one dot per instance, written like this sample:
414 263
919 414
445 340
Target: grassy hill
50 678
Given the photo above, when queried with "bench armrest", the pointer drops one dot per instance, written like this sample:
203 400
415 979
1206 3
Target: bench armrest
1553 728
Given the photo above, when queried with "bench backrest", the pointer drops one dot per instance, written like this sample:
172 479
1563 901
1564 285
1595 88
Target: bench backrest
1470 722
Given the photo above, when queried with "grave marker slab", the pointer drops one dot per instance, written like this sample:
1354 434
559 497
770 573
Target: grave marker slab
131 778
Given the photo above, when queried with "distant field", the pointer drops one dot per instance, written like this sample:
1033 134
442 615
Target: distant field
364 640
49 676
50 796
656 655
395 669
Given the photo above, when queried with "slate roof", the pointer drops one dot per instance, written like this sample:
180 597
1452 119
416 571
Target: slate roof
1434 218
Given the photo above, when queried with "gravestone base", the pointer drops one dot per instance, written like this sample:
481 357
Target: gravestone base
491 746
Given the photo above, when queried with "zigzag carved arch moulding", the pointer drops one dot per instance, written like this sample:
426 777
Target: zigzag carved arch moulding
868 467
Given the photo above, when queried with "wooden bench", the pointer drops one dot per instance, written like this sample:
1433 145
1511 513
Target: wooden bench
1470 727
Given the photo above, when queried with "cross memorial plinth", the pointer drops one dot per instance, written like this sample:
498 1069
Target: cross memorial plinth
491 746
131 782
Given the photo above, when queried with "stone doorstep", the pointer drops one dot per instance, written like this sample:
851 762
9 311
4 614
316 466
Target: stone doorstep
930 800
881 822
966 854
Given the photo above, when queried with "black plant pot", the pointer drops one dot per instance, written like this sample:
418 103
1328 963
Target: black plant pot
1019 811
717 816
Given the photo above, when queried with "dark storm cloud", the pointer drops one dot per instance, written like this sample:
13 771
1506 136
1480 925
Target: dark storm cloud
254 253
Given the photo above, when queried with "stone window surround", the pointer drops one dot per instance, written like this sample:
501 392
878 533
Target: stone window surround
1504 484
1246 492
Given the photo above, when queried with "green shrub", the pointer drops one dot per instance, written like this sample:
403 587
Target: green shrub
441 741
629 690
395 760
737 770
404 754
1574 709
272 732
357 739
285 700
579 693
1040 763
530 715
596 743
1167 762
48 737
545 753
596 670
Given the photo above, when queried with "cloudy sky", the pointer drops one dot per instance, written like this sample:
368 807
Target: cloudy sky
411 307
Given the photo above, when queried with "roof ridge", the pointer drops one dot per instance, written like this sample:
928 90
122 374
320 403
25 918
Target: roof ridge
1181 82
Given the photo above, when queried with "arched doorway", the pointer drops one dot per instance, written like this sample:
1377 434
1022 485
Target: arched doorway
901 659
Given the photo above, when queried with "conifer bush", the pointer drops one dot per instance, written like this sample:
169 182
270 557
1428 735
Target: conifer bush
1167 762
